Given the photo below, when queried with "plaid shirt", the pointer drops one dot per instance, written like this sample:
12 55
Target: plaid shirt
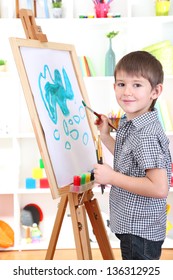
140 144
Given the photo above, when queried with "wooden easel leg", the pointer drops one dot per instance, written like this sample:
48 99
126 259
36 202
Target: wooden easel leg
97 223
80 229
84 233
57 227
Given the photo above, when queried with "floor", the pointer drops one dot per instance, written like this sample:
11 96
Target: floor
67 254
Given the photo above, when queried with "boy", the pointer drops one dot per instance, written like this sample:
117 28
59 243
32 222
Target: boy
142 163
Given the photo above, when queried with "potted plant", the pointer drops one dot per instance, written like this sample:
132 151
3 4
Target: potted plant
3 65
57 8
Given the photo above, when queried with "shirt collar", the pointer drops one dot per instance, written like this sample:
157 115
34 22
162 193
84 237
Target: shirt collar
142 120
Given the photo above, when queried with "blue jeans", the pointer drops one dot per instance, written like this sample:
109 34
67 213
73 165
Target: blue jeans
137 248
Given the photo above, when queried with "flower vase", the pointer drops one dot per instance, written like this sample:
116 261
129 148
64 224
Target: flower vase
57 12
110 60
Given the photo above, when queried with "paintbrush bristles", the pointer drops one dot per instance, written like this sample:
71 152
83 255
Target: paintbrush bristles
83 103
88 107
100 155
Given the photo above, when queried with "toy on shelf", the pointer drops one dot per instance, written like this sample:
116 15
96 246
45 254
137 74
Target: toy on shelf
35 233
6 235
38 178
31 216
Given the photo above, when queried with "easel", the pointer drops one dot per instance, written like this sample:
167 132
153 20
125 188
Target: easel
80 203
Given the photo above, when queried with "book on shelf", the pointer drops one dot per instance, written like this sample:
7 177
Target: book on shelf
157 106
82 67
86 66
91 67
164 114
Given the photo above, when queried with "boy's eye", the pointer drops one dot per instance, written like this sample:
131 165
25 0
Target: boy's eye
137 85
120 84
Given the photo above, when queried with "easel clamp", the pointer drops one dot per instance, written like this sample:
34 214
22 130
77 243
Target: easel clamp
32 31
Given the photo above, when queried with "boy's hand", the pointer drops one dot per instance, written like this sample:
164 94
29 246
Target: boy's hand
102 124
103 174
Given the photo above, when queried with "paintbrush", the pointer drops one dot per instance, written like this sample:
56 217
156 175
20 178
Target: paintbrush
96 114
100 159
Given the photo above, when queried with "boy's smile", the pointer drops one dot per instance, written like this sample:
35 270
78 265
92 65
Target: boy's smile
134 94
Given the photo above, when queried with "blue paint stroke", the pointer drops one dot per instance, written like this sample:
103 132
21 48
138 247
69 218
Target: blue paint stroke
65 126
56 134
82 112
67 145
74 133
85 138
76 118
55 93
70 121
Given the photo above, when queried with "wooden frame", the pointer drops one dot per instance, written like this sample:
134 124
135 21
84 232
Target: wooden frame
25 52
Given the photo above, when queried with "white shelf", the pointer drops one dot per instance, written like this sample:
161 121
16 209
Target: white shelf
157 19
27 135
6 136
4 74
33 191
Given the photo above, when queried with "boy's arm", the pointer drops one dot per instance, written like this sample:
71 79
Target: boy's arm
154 184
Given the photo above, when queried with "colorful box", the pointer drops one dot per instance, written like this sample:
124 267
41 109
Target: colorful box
41 163
44 183
37 173
30 183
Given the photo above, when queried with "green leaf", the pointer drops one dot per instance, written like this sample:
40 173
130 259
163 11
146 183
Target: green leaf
57 4
112 34
2 62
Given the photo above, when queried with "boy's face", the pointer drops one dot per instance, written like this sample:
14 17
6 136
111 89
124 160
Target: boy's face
134 94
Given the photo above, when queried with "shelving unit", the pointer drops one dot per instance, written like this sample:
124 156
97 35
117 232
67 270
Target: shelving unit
138 27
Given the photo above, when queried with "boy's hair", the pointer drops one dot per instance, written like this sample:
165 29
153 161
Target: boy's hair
142 63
